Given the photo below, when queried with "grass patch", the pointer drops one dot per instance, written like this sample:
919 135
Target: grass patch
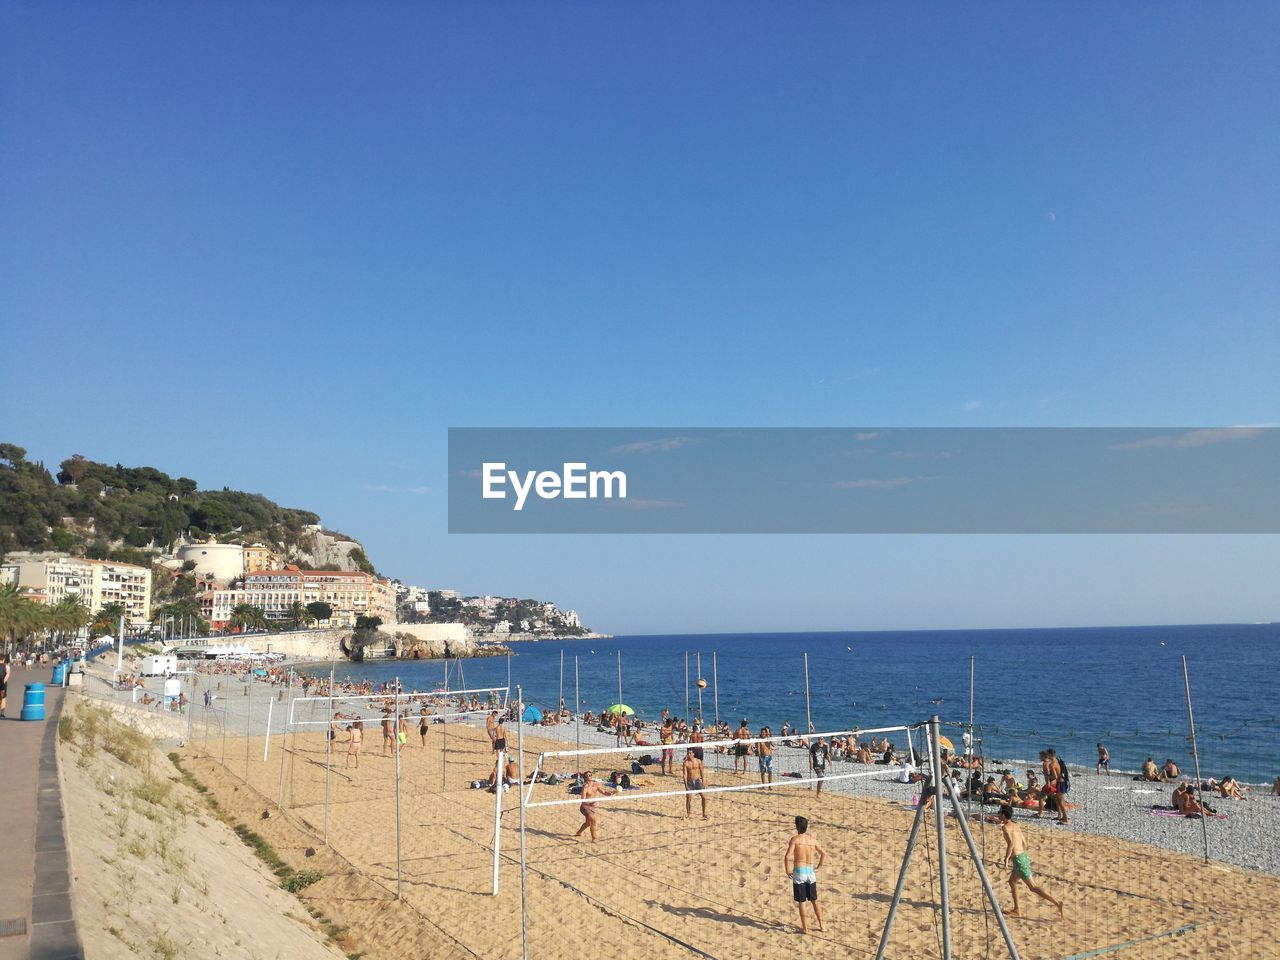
266 853
299 880
154 791
66 729
164 946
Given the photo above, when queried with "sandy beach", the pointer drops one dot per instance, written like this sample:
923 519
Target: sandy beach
658 885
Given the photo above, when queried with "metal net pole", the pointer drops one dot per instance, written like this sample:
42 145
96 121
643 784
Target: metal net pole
939 819
248 723
1195 756
524 891
328 757
398 739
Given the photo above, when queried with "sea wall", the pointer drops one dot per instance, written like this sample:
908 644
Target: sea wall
428 638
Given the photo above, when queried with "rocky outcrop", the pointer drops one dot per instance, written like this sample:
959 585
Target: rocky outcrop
323 550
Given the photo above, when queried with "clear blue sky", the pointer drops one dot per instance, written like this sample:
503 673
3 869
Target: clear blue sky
283 247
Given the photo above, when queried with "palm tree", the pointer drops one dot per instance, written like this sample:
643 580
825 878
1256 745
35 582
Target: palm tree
107 620
20 616
248 617
69 616
298 613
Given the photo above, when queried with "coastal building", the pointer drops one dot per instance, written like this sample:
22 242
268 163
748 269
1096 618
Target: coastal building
258 558
350 594
98 583
218 561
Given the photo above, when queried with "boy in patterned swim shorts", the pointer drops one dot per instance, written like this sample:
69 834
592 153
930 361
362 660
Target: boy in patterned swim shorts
1015 849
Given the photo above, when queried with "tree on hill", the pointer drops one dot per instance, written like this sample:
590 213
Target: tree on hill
142 506
361 560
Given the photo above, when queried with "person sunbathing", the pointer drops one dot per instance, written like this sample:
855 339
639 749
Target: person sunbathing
1010 785
1186 802
1170 770
991 793
1150 772
1229 787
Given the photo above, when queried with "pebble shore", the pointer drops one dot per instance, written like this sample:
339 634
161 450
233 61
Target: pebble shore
1109 806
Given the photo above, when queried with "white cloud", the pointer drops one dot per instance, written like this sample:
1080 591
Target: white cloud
664 445
1194 438
971 405
386 488
892 483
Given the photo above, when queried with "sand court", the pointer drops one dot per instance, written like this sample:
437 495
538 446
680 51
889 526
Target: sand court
660 885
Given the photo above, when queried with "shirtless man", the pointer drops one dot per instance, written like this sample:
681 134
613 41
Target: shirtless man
1104 760
1170 770
764 751
387 736
803 857
500 736
697 737
818 755
590 788
491 725
668 736
1015 849
423 720
695 778
740 749
354 743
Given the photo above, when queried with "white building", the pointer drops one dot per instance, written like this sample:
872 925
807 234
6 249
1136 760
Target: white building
214 561
96 582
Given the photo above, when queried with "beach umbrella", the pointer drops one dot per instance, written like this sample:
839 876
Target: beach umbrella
620 708
944 742
532 714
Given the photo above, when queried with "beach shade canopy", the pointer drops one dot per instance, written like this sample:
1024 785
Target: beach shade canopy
532 714
620 708
944 742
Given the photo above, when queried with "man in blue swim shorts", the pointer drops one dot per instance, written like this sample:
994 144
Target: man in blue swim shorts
694 778
803 857
764 753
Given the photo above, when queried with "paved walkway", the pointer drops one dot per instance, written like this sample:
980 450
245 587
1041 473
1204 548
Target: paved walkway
36 919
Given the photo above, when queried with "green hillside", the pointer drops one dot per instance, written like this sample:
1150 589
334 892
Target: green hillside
117 512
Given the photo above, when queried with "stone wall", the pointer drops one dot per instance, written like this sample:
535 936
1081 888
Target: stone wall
150 721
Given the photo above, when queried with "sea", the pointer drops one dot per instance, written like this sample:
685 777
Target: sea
1066 688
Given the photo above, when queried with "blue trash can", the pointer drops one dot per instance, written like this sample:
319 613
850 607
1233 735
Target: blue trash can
58 671
33 702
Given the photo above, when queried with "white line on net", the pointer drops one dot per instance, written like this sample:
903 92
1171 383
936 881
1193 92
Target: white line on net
693 793
404 695
717 743
378 717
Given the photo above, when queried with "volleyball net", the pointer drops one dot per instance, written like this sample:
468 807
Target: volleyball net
437 706
793 756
